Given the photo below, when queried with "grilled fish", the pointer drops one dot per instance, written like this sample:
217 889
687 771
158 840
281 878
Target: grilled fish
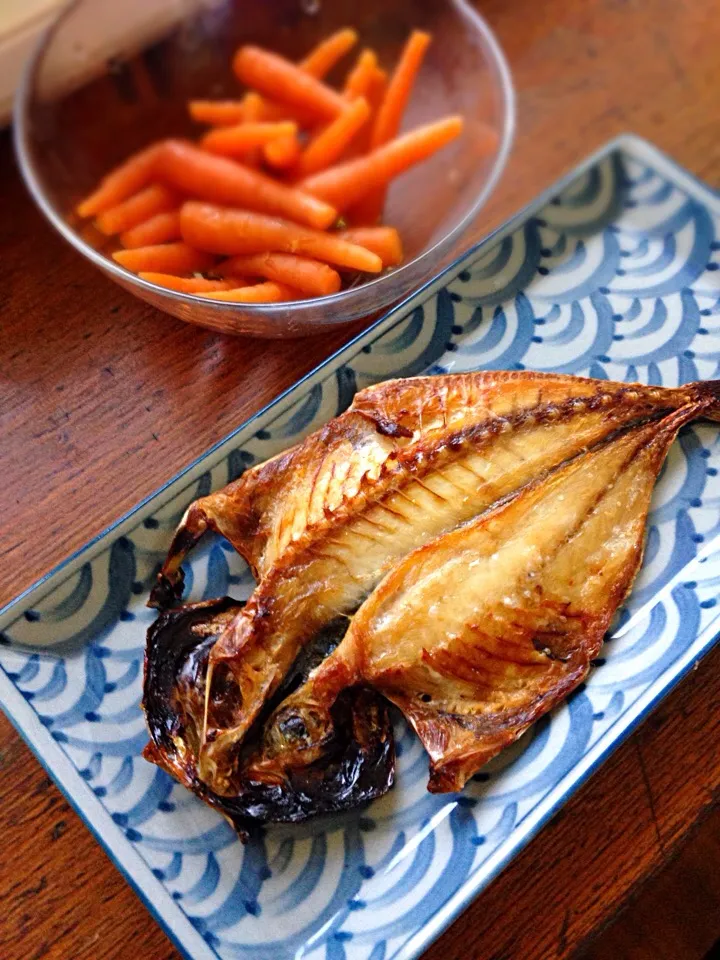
411 470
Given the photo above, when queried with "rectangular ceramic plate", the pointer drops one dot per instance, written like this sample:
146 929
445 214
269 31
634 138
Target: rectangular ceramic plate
613 273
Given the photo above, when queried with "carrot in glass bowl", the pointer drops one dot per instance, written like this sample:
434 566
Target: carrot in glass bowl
138 208
347 182
267 185
162 228
224 231
312 277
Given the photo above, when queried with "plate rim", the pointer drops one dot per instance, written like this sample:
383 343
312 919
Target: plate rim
166 912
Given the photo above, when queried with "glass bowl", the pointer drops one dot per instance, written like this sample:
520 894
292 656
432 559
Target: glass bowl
109 77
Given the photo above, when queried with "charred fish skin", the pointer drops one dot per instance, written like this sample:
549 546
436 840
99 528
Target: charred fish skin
535 582
353 766
176 652
462 443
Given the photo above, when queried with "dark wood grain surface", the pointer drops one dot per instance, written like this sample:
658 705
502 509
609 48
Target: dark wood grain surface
676 915
102 399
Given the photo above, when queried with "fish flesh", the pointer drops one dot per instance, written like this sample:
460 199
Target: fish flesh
439 517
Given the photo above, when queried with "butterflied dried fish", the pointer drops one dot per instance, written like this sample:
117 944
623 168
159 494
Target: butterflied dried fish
323 524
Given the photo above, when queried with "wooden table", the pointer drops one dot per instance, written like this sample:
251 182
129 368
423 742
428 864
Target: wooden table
102 399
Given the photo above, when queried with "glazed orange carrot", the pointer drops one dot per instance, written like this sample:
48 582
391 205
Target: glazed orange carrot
217 113
272 111
227 231
283 153
307 275
279 79
238 140
389 116
368 209
384 241
269 292
254 109
185 284
375 94
164 258
330 144
347 182
360 78
254 106
320 61
136 209
162 228
122 182
193 171
378 86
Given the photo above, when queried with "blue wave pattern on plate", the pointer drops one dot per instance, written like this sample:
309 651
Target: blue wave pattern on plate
618 278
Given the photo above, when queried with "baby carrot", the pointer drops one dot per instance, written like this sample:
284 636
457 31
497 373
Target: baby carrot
283 153
330 144
387 122
307 275
389 114
254 107
237 140
217 113
368 209
347 182
378 86
185 284
272 111
280 79
122 182
360 78
374 96
138 208
226 231
164 258
320 61
162 228
193 171
384 241
269 292
317 64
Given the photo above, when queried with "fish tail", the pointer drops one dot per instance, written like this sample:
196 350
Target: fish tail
708 392
168 588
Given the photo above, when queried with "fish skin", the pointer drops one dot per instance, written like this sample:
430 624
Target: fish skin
352 766
484 629
173 688
410 460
